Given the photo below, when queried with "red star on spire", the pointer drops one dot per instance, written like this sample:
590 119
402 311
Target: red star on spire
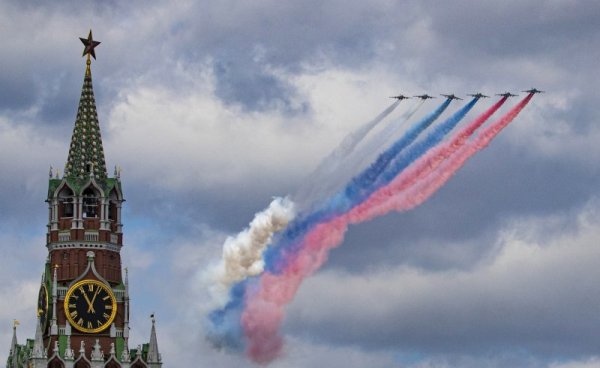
89 44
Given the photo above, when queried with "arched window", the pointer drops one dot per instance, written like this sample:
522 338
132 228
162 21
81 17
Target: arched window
81 363
65 201
90 203
112 364
112 206
56 363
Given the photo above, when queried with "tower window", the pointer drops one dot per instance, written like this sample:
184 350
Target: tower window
112 211
67 205
90 203
65 200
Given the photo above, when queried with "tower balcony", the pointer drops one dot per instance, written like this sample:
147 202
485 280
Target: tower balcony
91 236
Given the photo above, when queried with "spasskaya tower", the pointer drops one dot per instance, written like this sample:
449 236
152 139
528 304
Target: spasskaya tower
83 302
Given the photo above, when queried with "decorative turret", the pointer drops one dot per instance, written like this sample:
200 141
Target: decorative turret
153 358
13 354
39 354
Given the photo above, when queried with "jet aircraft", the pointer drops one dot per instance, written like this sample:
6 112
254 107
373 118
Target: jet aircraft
478 95
400 97
424 97
534 91
452 97
506 94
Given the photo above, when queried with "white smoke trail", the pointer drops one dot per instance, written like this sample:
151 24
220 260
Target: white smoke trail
366 153
329 166
242 254
354 160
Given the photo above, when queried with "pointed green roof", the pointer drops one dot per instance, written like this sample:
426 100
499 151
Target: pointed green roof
86 155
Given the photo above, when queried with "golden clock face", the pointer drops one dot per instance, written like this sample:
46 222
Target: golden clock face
43 305
90 306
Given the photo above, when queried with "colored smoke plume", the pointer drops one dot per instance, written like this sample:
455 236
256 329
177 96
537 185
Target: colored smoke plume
242 254
265 302
367 150
390 198
354 192
329 166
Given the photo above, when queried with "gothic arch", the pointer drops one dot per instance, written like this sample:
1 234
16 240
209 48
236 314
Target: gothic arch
138 363
56 362
112 363
82 362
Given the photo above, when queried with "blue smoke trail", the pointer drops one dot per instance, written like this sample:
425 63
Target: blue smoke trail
404 160
291 237
225 328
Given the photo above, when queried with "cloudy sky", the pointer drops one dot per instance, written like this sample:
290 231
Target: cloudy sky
212 108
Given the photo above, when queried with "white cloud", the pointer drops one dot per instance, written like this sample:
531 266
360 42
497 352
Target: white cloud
587 363
191 139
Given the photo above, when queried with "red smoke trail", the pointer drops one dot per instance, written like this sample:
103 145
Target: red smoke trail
264 308
451 158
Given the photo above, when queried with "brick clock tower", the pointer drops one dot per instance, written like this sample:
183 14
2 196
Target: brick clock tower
83 302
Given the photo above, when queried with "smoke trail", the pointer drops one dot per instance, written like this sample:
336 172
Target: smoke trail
360 187
435 155
330 164
364 153
344 200
265 304
242 254
387 200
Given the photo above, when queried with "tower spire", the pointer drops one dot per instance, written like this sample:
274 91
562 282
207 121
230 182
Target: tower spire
13 343
153 357
86 154
13 355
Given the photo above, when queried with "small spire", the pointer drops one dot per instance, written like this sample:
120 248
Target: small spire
97 354
153 354
125 357
50 173
39 350
69 353
53 321
13 344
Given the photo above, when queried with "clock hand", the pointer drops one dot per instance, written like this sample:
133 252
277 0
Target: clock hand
91 306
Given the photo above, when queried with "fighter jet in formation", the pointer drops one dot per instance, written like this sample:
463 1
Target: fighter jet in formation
478 95
400 97
534 91
452 97
424 97
506 94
